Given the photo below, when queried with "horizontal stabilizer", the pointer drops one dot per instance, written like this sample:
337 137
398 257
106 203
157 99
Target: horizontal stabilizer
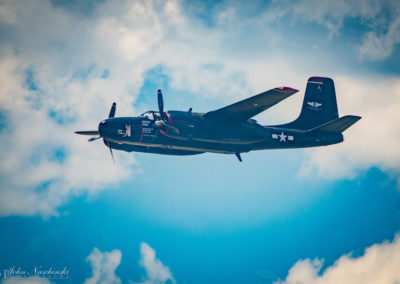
338 125
90 132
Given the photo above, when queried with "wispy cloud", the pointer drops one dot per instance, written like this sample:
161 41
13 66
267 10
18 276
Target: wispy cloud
331 14
156 271
103 267
379 45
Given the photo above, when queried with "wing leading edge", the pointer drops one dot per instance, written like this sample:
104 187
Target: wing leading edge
245 109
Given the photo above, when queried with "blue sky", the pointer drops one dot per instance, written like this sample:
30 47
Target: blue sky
293 216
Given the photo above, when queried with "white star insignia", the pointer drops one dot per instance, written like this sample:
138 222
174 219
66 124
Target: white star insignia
282 137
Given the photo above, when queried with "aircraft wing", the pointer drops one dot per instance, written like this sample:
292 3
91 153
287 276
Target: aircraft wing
248 108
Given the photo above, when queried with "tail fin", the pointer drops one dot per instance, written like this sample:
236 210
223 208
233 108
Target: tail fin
319 105
338 125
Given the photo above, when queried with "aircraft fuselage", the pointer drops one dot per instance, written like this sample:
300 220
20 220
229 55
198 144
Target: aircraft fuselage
188 133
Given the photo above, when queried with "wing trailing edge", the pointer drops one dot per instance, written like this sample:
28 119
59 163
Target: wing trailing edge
247 108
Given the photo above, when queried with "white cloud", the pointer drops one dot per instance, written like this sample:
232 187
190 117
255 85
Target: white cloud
379 264
30 141
104 265
156 271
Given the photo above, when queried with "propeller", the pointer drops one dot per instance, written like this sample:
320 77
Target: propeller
96 132
162 122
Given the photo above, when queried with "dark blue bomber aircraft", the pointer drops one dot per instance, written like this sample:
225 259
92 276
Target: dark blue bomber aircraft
231 129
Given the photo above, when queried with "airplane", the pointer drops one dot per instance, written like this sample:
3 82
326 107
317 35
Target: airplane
231 129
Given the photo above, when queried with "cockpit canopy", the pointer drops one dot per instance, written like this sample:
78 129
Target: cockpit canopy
151 114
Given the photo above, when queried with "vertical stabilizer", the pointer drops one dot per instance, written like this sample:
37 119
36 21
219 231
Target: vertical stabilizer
319 105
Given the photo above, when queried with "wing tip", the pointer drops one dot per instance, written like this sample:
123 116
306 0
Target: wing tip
286 90
355 117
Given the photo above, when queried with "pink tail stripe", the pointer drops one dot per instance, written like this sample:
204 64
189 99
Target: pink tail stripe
286 89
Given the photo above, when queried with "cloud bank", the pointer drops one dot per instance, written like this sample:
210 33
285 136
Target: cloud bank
379 264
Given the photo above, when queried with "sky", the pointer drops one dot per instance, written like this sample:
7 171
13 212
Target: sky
323 215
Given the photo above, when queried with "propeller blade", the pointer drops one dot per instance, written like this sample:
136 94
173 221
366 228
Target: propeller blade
173 128
160 103
109 147
112 110
90 132
112 156
162 124
94 138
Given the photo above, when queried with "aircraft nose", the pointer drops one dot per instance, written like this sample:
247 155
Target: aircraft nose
103 128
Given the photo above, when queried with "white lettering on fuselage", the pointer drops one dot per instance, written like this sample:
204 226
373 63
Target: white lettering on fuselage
127 131
147 129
